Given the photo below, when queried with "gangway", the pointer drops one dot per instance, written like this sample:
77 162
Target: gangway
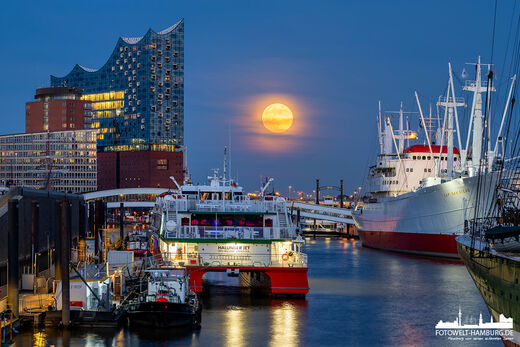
322 212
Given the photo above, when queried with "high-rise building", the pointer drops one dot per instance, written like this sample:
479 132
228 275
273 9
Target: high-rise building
57 108
59 160
137 101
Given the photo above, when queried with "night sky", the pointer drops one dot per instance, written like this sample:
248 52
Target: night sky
330 61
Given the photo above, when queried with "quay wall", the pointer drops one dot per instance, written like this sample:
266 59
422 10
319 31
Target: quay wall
41 220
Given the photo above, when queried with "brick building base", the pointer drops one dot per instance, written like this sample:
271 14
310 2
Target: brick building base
138 169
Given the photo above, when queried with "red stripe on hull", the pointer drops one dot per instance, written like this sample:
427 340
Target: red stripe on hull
287 280
425 244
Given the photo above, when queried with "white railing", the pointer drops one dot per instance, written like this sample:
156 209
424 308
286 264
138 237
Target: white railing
217 232
472 84
237 205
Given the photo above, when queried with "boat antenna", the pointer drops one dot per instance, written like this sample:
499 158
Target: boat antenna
229 153
225 164
379 131
186 177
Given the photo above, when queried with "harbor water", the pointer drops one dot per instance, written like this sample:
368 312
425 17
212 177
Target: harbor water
358 296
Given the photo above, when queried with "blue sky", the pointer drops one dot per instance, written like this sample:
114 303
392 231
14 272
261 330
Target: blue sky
331 60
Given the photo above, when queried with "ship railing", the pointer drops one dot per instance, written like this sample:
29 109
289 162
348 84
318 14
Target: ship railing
229 232
477 227
234 258
242 205
472 84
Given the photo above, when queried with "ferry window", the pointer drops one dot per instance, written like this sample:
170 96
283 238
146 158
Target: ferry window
227 196
268 222
429 157
204 196
185 221
411 169
423 157
429 170
414 157
455 159
425 170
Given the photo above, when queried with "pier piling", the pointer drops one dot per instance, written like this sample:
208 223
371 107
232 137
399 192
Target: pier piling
65 260
121 221
12 256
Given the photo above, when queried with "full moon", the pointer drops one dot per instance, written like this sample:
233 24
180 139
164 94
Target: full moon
277 118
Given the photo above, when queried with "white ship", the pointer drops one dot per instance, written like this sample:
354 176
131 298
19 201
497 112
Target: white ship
217 227
420 195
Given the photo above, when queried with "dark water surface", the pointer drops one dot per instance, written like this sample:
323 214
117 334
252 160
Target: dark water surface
358 296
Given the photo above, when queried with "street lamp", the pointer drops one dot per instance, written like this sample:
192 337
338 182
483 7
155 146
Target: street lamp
290 187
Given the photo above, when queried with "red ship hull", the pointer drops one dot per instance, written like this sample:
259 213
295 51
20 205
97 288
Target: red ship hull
438 245
282 280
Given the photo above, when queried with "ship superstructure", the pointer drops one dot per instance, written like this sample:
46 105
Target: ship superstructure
421 194
217 227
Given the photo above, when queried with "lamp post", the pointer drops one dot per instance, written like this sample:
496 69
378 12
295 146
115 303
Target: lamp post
290 187
35 272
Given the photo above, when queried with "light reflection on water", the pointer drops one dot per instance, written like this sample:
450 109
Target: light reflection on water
358 296
284 326
234 322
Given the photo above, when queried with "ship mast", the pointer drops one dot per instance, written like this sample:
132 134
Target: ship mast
477 87
450 103
401 128
379 131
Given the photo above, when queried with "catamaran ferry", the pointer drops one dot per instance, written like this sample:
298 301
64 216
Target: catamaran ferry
216 227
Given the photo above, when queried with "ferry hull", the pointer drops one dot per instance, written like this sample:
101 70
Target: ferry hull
497 279
424 222
283 280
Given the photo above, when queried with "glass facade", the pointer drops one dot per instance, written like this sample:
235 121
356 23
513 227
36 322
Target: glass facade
65 161
138 95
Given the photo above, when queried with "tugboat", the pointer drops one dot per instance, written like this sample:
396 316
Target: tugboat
217 227
167 303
